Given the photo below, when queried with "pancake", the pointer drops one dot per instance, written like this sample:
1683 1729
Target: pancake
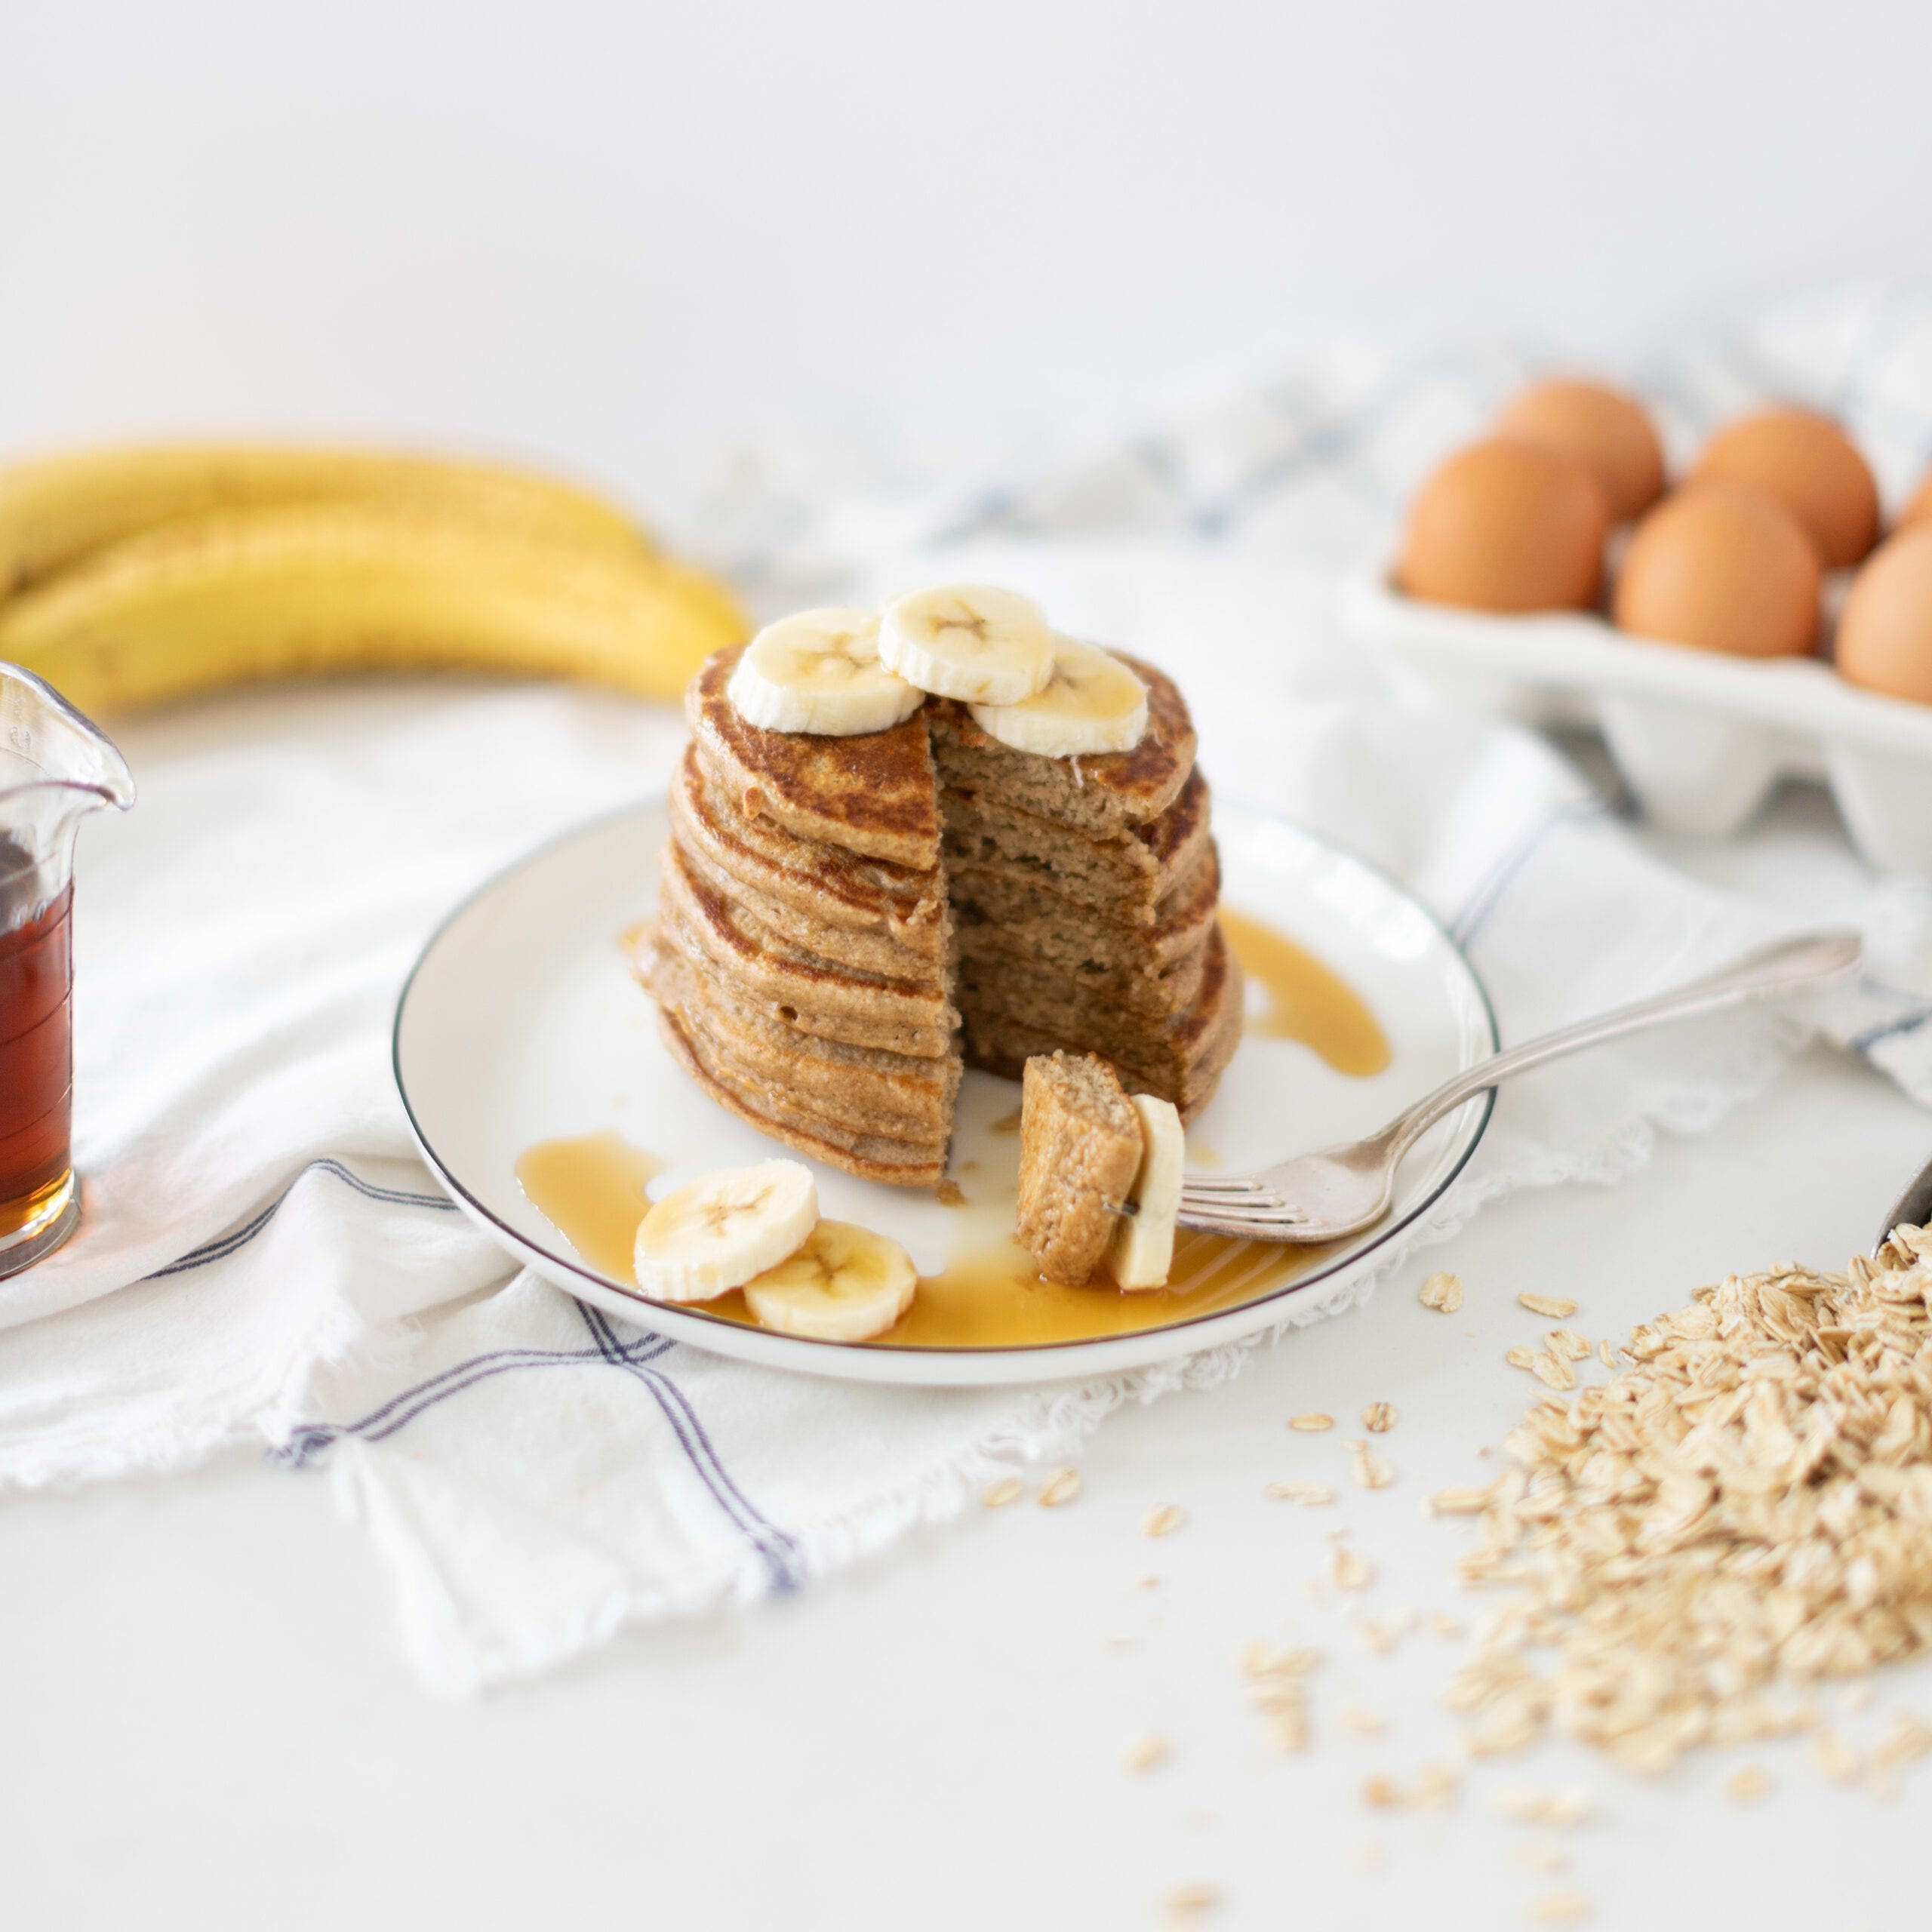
1109 794
755 956
877 795
1125 874
1137 997
1183 1066
875 952
869 1087
1026 918
898 1164
832 887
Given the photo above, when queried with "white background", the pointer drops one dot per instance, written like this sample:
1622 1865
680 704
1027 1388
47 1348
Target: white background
624 239
620 237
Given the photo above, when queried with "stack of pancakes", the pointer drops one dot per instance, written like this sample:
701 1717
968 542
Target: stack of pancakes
838 916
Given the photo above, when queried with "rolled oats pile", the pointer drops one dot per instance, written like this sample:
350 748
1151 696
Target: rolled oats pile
1743 1511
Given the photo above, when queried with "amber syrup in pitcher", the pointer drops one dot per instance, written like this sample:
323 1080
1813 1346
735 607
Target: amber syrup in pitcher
36 1060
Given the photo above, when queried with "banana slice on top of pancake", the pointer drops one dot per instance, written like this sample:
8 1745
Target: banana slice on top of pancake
972 642
1091 704
820 671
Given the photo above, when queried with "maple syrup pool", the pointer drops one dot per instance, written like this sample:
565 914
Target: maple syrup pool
594 1190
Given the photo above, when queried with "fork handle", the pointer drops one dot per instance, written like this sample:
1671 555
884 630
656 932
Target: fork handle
1773 972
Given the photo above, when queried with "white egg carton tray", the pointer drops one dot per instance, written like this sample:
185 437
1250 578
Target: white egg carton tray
1700 739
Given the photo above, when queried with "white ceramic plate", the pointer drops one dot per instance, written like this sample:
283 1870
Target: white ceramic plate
520 1023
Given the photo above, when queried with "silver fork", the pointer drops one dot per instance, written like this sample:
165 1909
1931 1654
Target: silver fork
1323 1196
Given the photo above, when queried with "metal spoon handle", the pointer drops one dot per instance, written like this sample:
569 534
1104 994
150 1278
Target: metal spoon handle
1913 1208
1791 966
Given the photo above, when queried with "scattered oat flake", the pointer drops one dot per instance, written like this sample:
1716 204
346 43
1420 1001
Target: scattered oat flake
1150 1583
1370 1470
1119 1643
1162 1520
1906 1740
1834 1757
1441 1624
1523 1806
1259 1660
1278 1697
1288 1730
1379 1417
1364 1723
1858 1696
1379 1636
997 1495
1061 1486
1313 1423
1606 1352
1145 1752
1470 1499
1746 1784
1540 1855
1557 1308
1349 1570
1443 1291
1559 1908
1553 1372
1188 1900
1433 1789
1567 1343
1308 1493
1520 1358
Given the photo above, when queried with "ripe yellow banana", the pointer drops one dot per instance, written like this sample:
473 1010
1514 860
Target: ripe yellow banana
279 591
56 510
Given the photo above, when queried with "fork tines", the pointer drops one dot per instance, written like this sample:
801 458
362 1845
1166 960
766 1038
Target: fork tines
1237 1205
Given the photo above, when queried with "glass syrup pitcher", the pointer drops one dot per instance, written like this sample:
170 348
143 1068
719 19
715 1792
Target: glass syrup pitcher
55 768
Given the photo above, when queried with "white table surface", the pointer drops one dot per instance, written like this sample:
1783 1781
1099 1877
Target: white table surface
208 1721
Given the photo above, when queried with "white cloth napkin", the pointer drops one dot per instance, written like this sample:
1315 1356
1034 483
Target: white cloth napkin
264 1264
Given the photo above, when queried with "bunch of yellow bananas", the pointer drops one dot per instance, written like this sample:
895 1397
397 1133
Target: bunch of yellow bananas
131 576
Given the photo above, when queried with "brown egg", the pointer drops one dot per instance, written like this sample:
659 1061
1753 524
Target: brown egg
1919 510
1723 568
1608 432
1885 630
1811 466
1506 526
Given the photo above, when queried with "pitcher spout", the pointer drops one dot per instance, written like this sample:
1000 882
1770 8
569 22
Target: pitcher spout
56 766
43 740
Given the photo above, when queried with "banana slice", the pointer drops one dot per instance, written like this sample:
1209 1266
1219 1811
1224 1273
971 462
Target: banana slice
1142 1252
968 640
1092 703
820 671
845 1284
717 1233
